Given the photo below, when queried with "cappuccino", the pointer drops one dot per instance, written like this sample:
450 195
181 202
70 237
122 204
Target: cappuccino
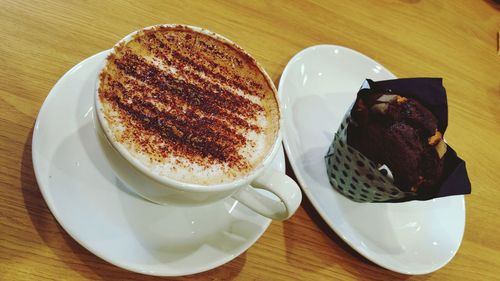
188 105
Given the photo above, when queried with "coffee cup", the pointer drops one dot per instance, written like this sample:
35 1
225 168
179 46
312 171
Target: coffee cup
194 120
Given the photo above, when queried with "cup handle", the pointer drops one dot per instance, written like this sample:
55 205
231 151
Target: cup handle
280 185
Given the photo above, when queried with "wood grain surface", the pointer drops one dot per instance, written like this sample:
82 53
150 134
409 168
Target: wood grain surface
456 40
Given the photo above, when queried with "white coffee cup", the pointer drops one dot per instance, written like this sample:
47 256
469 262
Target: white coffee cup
165 190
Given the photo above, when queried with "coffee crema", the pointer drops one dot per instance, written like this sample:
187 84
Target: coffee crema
188 105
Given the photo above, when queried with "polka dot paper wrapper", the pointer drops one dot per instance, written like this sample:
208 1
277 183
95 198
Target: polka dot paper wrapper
362 180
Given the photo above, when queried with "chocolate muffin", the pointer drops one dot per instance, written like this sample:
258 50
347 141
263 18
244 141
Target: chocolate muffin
401 133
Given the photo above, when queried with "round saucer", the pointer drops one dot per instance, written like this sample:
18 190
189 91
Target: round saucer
318 86
78 181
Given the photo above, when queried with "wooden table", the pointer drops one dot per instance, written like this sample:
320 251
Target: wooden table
456 40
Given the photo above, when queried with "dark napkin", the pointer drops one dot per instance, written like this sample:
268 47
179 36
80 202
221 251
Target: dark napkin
431 93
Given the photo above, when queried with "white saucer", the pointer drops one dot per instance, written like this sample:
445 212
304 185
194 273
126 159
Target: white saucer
74 172
317 87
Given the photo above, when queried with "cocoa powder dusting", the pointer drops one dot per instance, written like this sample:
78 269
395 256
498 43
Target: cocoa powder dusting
193 111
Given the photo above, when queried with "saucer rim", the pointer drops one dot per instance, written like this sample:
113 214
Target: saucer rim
45 190
309 193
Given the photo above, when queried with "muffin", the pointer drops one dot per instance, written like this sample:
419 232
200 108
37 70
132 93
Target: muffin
390 148
402 134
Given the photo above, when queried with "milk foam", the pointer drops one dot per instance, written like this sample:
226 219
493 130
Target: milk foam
184 170
257 146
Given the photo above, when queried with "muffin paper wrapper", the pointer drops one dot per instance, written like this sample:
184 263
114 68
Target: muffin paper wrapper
362 180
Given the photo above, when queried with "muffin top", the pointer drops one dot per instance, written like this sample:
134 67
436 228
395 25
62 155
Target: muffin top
401 133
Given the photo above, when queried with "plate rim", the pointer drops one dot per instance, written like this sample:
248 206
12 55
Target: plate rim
307 191
95 250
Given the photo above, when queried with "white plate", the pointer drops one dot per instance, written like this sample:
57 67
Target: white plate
317 87
74 170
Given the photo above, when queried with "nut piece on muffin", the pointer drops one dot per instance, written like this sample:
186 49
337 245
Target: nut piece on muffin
401 133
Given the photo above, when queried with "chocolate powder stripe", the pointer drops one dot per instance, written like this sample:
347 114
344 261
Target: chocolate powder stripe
183 126
134 66
217 124
180 60
209 49
221 127
252 84
170 134
234 81
248 109
206 107
195 139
